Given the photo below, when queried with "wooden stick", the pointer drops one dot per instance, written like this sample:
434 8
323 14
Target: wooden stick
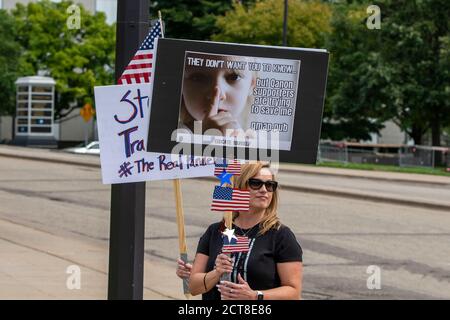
181 235
161 23
228 216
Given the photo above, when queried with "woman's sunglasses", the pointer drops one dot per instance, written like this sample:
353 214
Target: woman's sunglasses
256 184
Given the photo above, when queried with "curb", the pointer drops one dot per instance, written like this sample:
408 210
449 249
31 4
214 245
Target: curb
352 176
369 197
359 196
41 159
328 192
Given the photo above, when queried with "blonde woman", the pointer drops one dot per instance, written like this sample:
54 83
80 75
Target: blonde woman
272 269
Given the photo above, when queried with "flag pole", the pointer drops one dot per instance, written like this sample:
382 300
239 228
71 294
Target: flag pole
161 23
228 218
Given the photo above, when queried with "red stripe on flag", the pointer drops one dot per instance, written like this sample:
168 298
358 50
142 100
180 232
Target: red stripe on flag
138 66
142 56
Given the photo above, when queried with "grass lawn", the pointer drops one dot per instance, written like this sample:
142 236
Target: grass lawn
380 167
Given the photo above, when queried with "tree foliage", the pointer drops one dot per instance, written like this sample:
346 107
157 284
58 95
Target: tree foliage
9 55
191 19
78 59
356 93
399 72
262 23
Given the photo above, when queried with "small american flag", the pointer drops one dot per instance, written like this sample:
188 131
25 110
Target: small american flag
230 199
236 244
140 67
233 166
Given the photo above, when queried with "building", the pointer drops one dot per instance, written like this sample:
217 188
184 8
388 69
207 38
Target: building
109 7
391 134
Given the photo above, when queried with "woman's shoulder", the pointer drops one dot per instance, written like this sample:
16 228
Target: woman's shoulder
214 227
283 232
280 229
284 228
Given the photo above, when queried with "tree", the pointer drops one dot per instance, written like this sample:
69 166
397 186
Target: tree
262 23
191 19
355 105
417 48
78 59
399 72
9 54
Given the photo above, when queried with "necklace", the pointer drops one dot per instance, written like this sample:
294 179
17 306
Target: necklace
248 231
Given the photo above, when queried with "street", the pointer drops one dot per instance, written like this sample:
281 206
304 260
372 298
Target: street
61 212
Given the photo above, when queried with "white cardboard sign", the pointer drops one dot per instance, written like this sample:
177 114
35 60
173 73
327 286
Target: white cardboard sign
123 114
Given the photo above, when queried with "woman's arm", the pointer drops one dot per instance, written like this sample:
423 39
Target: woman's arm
199 278
291 274
291 285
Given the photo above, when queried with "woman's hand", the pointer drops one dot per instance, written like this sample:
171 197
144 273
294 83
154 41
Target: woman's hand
183 269
223 264
217 118
233 291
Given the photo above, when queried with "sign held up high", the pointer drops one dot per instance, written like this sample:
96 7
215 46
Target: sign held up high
247 97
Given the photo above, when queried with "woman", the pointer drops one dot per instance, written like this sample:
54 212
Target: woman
272 269
220 97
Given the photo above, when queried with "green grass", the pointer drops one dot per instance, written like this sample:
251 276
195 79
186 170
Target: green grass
380 167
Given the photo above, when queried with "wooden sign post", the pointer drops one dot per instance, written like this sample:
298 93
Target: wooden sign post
181 234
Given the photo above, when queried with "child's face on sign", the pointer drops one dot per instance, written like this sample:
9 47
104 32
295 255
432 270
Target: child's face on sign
209 91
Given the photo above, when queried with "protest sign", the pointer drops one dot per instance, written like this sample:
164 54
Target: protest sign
258 94
247 97
123 116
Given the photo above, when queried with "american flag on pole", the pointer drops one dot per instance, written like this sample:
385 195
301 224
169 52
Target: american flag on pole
140 67
233 166
230 199
236 244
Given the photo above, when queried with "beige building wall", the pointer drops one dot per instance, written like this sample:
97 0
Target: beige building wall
6 126
74 128
391 134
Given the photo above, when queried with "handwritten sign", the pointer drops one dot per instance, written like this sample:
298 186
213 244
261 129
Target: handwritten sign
123 115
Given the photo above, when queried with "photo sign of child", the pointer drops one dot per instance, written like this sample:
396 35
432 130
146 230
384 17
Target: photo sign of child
235 95
238 101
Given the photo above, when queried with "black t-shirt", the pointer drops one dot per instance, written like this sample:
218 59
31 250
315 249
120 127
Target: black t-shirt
258 266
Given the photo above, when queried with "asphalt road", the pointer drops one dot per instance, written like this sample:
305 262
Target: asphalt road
340 237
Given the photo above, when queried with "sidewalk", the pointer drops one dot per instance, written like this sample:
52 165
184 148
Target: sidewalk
34 265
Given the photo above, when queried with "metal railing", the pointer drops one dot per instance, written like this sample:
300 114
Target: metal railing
400 155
